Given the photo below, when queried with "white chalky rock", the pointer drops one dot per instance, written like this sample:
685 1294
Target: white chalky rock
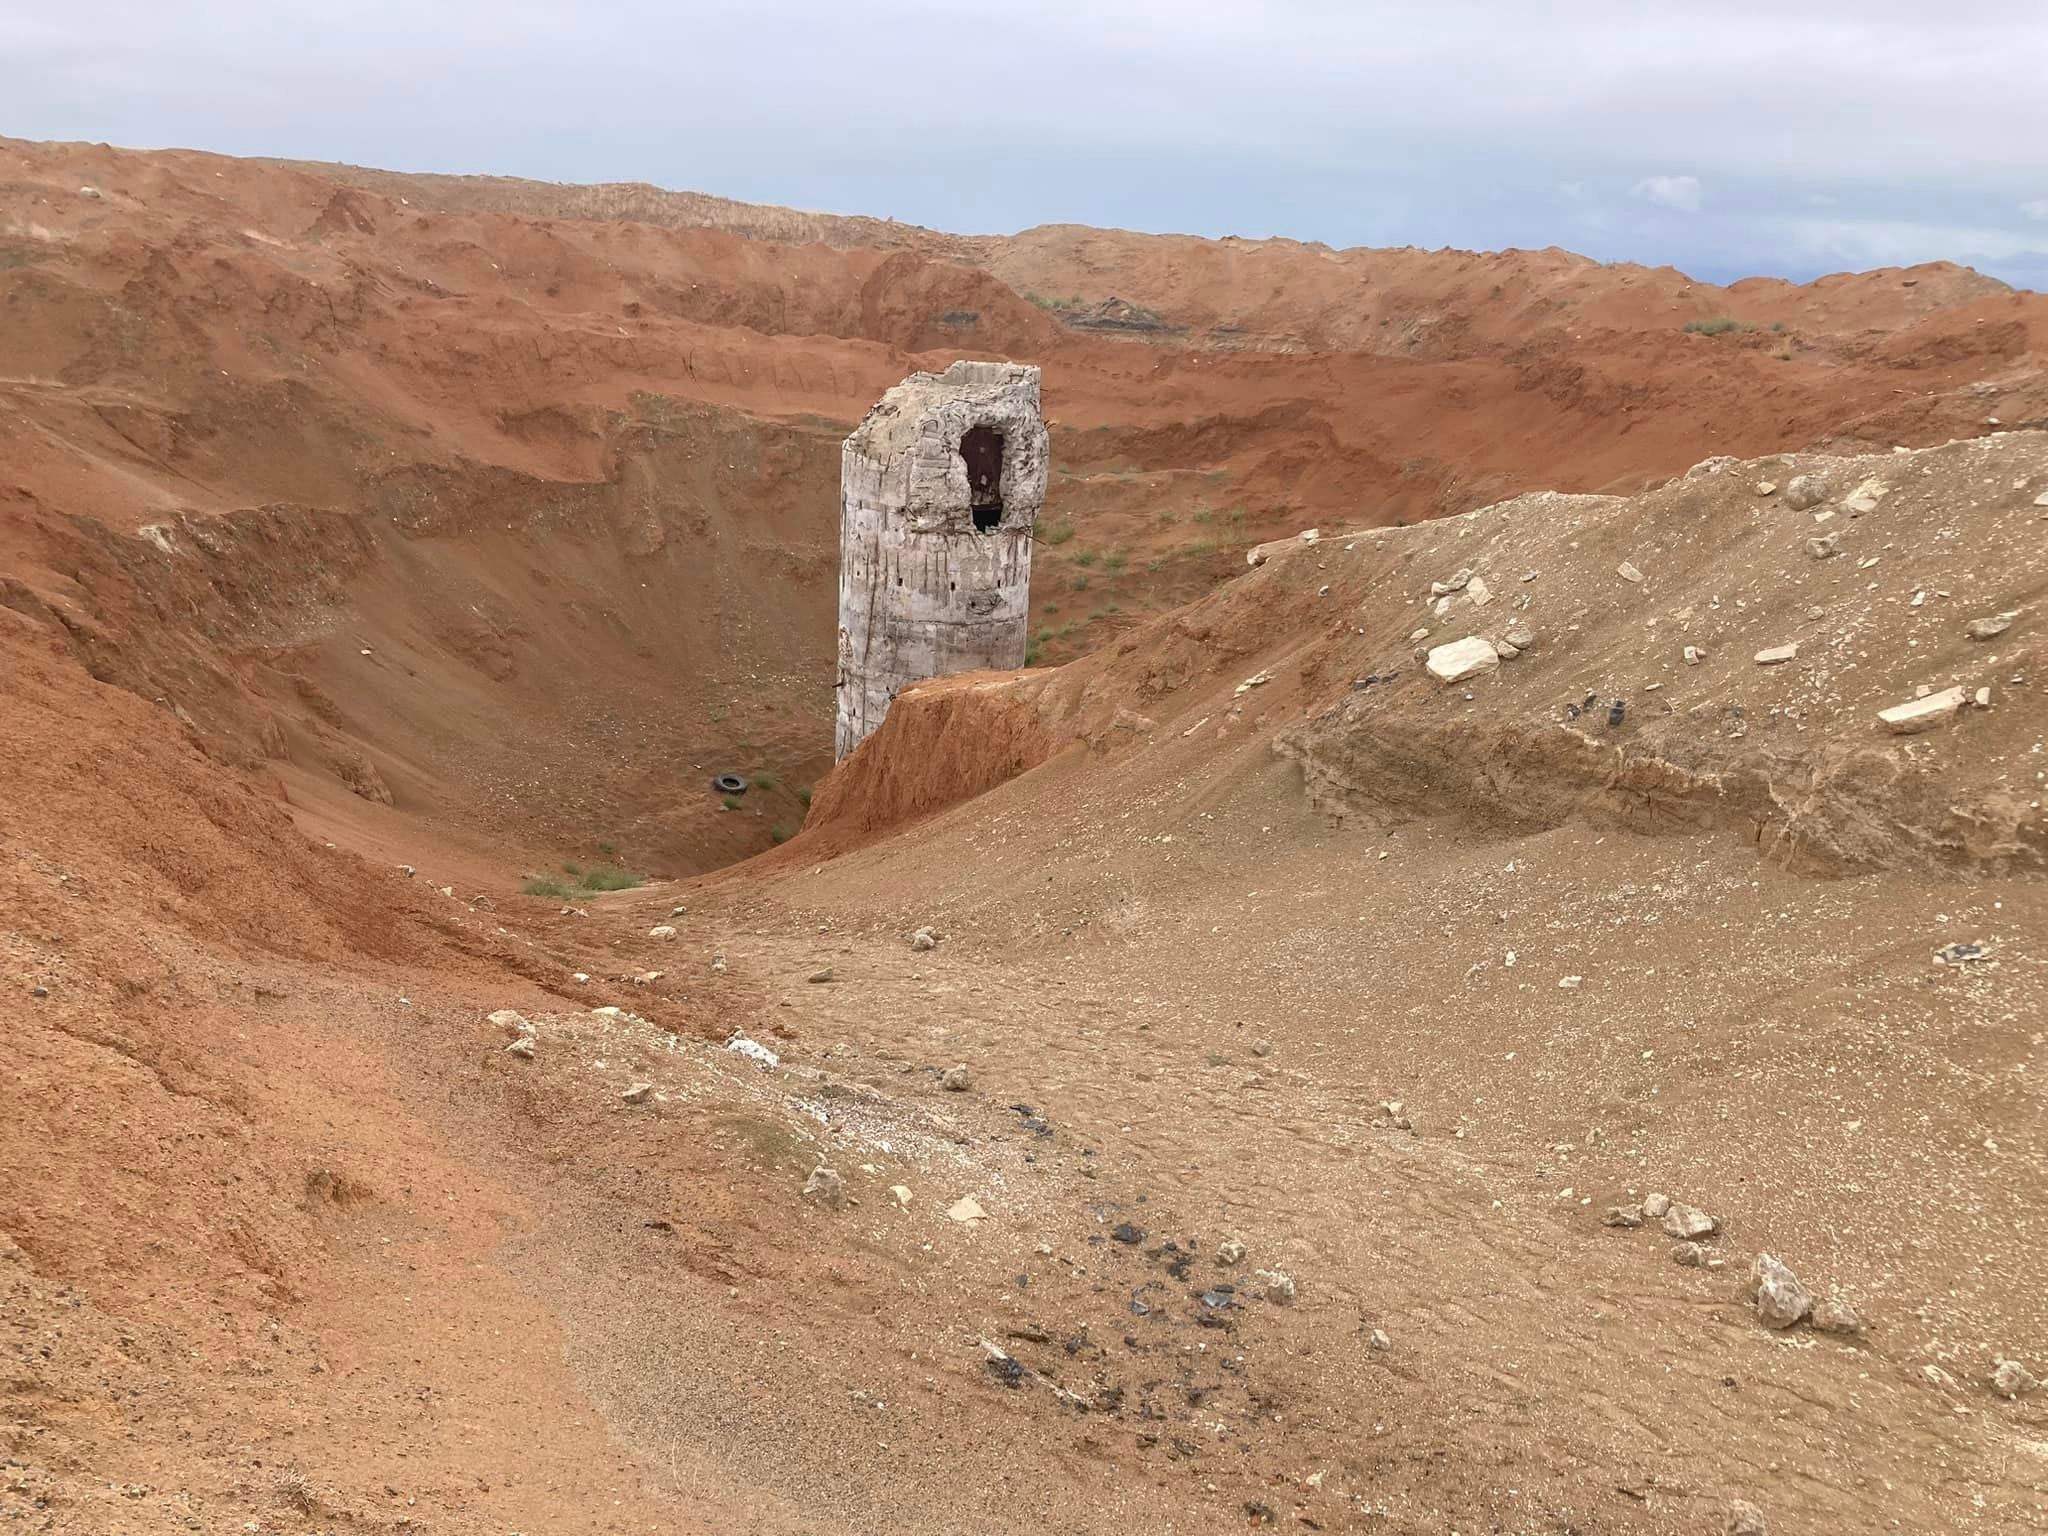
523 1048
924 939
1774 655
966 1209
1279 1285
1922 714
661 931
753 1050
639 1093
509 1021
1460 659
2012 1380
1781 1300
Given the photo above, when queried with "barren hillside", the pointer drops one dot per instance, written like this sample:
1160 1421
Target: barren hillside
1330 1053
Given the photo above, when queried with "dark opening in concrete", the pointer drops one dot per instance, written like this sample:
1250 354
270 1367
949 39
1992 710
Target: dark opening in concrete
982 448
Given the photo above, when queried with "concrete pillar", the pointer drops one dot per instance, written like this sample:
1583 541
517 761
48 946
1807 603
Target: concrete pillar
938 491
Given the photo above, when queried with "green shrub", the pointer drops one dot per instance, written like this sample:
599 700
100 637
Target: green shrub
1080 583
609 877
1778 327
1086 558
1720 325
730 802
1113 561
1055 533
764 781
804 794
778 834
541 885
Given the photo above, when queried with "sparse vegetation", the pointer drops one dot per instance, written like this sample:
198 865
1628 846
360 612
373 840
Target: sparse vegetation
1778 326
1720 325
764 781
1114 561
730 802
541 885
609 877
1055 533
804 794
779 834
1080 583
1086 558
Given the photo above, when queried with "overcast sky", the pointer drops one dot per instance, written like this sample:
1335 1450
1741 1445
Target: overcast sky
1726 137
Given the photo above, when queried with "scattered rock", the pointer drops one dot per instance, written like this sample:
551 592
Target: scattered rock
1745 1519
1622 1216
1460 659
1230 1251
639 1093
2012 1380
38 991
1824 547
900 1193
1478 592
1688 1221
1571 983
1420 634
1961 954
826 1187
1393 1113
1771 656
1655 1205
1695 1256
1990 628
966 1209
1837 1317
1380 1339
820 975
753 1050
1917 715
1692 655
924 939
1519 635
1457 583
1781 1300
1280 1287
1262 1047
523 1047
677 910
1128 1234
1807 491
1628 572
509 1021
661 931
90 192
407 870
956 1079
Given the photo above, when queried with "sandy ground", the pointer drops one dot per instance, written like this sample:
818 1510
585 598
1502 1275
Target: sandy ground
1254 936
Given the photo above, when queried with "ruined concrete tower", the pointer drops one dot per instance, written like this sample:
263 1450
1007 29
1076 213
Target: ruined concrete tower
938 490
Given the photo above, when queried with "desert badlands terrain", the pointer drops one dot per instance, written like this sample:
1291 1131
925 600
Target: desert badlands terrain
1491 975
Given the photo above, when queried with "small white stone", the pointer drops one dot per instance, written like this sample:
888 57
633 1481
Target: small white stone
1460 659
509 1021
1628 572
965 1209
1922 714
1771 656
826 1187
639 1093
661 931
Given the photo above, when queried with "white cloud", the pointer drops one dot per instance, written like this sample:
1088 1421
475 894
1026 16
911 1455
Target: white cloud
1680 192
2037 209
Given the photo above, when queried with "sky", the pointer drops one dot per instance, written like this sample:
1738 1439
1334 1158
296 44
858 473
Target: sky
1725 137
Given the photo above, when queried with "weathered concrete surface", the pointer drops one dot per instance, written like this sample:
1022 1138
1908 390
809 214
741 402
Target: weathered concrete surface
923 590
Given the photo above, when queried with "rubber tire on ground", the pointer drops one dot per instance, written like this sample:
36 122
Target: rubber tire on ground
729 784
